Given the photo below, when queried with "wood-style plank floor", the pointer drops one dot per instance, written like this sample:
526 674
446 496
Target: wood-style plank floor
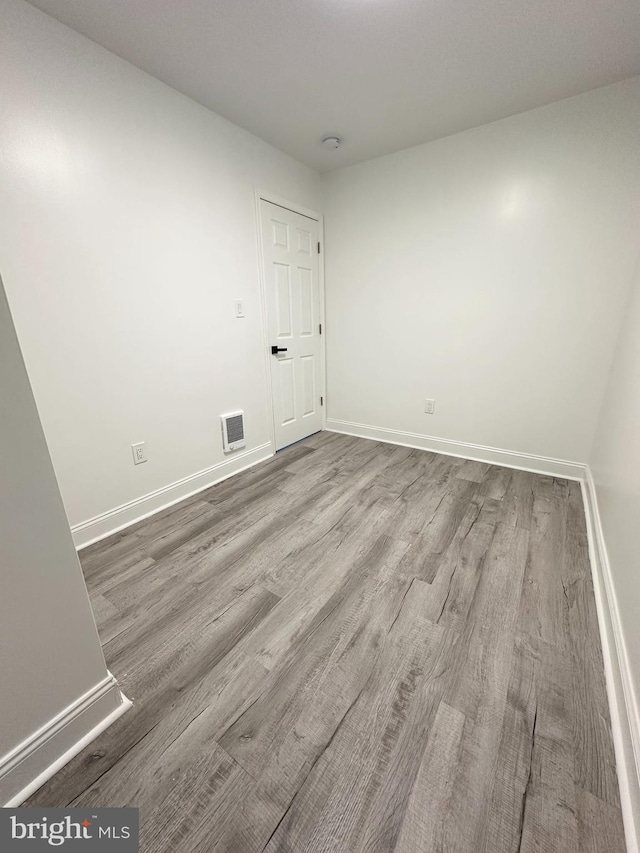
355 647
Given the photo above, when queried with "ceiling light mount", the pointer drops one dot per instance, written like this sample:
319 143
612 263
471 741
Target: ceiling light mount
332 142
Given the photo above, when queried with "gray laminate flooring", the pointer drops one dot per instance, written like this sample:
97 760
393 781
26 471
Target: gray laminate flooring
355 647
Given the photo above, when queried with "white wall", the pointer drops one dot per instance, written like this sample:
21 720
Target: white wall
50 654
489 271
615 466
127 229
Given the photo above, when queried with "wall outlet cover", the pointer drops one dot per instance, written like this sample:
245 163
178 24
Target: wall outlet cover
139 451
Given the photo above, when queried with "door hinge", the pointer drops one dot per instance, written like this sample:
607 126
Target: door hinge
318 247
320 328
322 401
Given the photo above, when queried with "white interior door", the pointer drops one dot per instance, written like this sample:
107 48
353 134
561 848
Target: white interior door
290 252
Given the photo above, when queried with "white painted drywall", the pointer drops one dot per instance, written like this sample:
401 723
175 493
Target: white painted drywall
50 653
615 465
489 271
128 229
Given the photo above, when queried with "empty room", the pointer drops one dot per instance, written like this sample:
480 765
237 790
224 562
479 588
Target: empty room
320 426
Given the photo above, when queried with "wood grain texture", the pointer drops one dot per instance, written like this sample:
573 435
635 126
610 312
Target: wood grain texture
422 828
355 647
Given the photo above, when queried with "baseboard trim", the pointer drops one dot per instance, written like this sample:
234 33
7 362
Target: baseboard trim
101 526
623 707
476 452
27 767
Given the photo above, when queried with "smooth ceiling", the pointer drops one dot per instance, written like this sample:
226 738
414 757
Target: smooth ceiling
382 74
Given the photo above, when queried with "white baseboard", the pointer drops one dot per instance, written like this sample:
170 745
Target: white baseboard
476 452
623 707
27 767
123 516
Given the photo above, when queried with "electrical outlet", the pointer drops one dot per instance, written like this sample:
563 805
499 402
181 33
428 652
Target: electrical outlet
430 407
139 451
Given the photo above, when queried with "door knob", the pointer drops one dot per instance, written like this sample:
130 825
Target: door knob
275 350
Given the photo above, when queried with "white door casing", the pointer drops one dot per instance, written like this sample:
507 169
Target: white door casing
292 304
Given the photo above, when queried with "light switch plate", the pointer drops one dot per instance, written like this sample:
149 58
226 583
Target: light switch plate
239 307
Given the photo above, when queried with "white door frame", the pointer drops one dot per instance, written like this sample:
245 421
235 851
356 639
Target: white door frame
273 198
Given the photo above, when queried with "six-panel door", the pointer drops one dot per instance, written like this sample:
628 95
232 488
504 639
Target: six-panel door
290 253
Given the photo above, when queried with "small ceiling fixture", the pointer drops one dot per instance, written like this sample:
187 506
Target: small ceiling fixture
331 142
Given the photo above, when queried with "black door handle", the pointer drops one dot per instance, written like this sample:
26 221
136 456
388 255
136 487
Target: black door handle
275 350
